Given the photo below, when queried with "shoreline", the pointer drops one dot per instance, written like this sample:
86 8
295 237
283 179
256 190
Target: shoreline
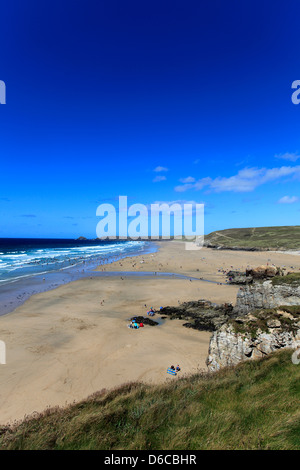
14 294
69 342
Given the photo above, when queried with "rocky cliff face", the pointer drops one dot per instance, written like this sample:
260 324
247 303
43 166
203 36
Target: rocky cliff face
267 318
266 295
253 336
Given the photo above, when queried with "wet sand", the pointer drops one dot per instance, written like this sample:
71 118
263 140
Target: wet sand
205 263
65 344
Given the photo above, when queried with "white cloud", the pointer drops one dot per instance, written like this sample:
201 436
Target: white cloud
157 179
288 200
158 169
245 180
189 179
183 187
180 202
292 157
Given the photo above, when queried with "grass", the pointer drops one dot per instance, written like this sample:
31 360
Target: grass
260 238
292 279
252 406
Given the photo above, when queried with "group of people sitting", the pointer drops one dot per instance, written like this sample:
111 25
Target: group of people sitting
177 368
136 325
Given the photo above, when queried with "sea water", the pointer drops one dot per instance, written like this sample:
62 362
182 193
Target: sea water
31 266
21 258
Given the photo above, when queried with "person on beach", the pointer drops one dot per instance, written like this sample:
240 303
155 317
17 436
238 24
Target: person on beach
151 312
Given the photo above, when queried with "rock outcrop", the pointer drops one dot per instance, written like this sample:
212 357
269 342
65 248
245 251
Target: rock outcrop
201 314
267 318
144 320
254 336
238 277
253 274
266 294
264 272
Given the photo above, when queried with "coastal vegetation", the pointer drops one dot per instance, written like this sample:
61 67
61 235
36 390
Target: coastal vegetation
286 317
254 405
291 279
256 238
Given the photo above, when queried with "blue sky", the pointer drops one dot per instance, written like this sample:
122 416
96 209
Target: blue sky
159 101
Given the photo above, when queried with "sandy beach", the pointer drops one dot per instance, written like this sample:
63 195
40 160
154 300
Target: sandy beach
67 343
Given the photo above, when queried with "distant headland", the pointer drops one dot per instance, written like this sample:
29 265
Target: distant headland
280 238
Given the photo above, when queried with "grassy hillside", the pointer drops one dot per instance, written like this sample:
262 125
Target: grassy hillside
252 406
280 238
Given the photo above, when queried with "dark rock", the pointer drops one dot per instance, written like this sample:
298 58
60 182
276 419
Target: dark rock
201 314
207 325
233 248
239 277
144 320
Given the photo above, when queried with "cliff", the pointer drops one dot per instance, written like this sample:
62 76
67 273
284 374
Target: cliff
268 294
267 319
254 336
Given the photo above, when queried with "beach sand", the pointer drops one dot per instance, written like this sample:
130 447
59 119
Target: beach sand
65 344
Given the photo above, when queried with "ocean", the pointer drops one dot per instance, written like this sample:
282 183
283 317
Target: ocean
20 258
29 266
